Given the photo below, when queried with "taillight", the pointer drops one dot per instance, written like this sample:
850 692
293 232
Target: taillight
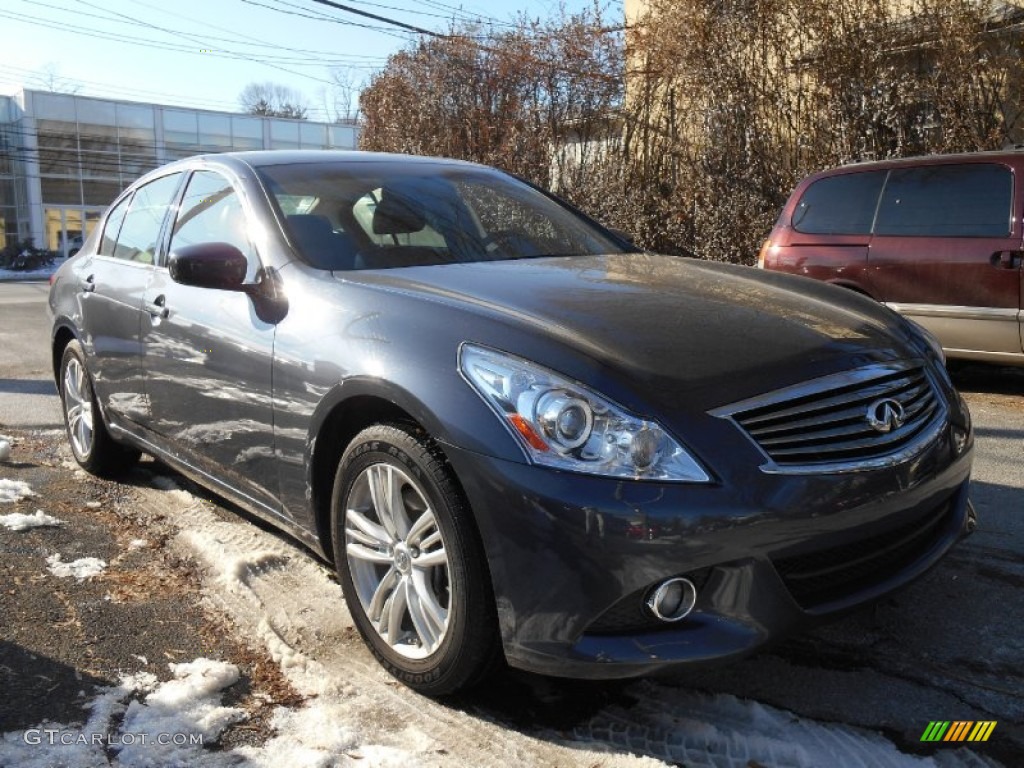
763 253
53 276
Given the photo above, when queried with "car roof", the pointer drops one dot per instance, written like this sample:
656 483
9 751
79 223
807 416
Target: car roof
269 157
999 155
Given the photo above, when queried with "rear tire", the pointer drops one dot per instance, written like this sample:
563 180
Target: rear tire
93 447
411 563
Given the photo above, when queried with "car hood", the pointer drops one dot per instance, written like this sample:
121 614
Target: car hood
685 323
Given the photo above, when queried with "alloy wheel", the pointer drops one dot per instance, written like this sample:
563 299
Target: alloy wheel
397 558
78 407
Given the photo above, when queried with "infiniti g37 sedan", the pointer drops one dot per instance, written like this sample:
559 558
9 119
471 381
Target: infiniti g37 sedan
516 437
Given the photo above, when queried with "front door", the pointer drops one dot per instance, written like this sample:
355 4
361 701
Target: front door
946 252
207 356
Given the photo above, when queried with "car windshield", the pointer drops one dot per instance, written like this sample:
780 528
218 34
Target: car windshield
370 215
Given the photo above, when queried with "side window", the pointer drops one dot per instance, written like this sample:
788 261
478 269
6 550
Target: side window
839 205
212 213
113 227
973 200
395 228
137 240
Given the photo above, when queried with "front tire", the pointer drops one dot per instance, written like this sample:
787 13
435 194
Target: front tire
410 561
93 447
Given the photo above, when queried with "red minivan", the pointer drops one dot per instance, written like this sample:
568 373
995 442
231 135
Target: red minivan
936 238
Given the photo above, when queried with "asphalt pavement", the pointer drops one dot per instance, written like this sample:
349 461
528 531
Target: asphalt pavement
27 392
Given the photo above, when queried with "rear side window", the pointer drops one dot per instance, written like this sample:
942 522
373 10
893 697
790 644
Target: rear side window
113 227
839 205
974 200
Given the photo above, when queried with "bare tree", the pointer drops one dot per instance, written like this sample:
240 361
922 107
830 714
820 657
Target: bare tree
273 100
726 104
341 97
49 79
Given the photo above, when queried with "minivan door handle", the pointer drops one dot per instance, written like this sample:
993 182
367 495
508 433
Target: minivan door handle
1007 259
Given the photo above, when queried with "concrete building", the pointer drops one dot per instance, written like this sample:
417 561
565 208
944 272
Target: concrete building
64 158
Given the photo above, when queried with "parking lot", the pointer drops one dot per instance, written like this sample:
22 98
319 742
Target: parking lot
210 582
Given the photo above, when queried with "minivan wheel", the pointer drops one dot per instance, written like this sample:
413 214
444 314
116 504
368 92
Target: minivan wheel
93 447
410 561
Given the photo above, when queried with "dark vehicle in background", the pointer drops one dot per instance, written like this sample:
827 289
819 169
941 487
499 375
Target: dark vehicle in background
937 238
515 436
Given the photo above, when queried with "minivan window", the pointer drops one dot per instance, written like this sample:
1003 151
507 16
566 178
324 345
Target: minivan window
137 240
970 200
839 205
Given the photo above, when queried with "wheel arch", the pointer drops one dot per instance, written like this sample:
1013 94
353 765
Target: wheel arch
851 286
341 415
63 334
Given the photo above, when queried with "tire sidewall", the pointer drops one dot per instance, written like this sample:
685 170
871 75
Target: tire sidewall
365 451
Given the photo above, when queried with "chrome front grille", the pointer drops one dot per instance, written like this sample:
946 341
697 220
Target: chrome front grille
872 416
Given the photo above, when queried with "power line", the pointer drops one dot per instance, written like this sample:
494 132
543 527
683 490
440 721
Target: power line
319 16
377 17
260 41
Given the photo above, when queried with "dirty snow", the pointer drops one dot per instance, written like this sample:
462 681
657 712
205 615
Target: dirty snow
14 490
5 450
83 568
143 723
18 521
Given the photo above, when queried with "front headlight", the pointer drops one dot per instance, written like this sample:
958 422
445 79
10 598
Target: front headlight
565 425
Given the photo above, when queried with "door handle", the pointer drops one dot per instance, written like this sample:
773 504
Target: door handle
157 307
88 285
1007 259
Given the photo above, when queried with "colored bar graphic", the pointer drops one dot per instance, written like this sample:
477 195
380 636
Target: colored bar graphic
959 730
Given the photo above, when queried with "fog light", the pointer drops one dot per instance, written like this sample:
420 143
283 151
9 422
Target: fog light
673 599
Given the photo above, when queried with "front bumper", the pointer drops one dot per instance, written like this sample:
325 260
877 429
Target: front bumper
572 556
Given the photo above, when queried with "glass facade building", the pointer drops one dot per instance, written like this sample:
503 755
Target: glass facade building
64 158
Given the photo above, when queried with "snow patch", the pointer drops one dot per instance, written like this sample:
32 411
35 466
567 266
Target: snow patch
5 450
188 705
14 490
713 730
18 521
83 568
313 736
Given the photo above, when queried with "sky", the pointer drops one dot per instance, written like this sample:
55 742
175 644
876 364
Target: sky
202 53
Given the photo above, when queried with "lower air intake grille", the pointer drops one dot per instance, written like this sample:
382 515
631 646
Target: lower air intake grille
833 574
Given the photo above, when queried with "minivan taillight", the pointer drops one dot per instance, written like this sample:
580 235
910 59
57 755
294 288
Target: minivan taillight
763 253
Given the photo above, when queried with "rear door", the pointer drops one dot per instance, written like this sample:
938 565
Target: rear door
112 282
946 252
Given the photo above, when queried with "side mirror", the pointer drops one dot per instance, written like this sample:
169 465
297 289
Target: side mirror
209 265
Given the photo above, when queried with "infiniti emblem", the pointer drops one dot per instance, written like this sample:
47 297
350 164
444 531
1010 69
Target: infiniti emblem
886 414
